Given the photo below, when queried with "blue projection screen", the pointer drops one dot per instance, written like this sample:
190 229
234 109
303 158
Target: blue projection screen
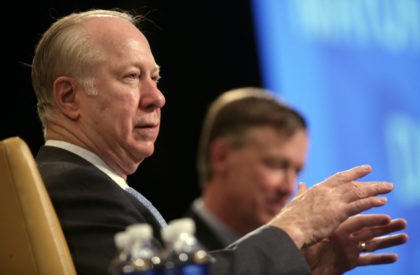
352 67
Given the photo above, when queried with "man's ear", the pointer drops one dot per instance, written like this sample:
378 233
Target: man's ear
219 152
65 95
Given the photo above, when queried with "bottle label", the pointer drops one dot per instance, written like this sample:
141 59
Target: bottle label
195 269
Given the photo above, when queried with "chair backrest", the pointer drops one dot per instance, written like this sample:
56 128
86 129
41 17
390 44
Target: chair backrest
31 238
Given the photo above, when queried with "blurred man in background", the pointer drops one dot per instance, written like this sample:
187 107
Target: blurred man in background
251 151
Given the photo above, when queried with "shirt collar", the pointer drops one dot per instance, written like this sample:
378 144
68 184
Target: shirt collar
223 232
90 157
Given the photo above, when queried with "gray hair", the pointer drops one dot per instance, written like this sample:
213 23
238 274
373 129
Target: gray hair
66 49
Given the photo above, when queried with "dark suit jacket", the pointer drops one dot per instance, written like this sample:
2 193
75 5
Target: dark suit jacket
204 233
270 240
91 208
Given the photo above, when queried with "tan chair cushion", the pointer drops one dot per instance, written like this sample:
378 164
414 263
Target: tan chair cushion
31 238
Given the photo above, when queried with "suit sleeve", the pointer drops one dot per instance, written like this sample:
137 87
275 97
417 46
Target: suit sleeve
267 250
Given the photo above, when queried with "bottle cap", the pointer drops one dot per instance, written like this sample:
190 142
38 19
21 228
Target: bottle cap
143 231
121 239
176 227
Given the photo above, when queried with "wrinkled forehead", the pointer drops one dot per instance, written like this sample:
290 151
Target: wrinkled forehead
103 26
116 35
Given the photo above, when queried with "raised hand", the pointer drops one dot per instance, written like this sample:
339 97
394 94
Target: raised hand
314 213
342 251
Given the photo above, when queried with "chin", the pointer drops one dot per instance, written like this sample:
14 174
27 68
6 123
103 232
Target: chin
149 150
271 214
140 151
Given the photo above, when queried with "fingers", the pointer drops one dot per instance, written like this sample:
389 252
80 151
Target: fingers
376 259
360 189
302 187
365 193
374 231
359 205
353 173
372 188
341 190
362 193
358 222
385 242
381 243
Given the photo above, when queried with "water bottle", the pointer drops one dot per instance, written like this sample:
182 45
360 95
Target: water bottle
183 253
137 253
121 263
145 256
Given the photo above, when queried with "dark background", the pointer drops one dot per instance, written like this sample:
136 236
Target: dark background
203 47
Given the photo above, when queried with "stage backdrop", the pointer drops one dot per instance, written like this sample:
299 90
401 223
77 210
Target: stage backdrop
352 67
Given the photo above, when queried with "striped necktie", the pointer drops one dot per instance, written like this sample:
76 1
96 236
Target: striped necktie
147 204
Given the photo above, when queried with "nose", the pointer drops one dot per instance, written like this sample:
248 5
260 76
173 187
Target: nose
289 180
151 96
159 98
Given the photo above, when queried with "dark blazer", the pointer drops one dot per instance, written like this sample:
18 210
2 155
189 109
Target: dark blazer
270 240
204 233
91 208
